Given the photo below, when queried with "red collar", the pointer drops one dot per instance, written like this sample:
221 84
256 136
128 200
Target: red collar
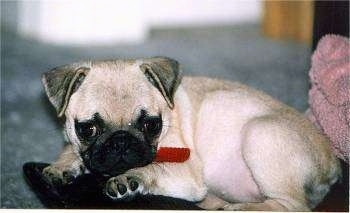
172 154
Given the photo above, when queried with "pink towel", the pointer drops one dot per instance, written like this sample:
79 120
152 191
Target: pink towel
329 96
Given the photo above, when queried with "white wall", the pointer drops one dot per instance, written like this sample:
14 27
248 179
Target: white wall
105 21
203 12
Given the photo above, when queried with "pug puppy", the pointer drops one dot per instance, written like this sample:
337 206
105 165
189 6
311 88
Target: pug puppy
247 150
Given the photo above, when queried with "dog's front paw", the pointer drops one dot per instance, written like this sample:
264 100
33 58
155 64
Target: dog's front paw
61 175
124 187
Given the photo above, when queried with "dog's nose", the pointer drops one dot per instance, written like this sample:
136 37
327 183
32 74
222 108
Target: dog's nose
120 140
118 153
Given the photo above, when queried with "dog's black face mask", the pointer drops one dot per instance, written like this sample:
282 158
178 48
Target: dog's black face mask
111 151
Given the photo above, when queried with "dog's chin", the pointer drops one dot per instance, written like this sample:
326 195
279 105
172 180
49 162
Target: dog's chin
109 164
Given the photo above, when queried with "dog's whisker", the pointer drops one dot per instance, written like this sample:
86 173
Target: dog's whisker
170 126
107 113
155 165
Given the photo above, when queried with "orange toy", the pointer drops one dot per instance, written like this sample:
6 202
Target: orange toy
172 154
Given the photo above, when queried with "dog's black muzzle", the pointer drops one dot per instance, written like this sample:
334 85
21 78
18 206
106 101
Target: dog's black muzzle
117 154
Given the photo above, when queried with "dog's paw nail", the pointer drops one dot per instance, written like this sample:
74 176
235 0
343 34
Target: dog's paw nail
133 185
48 174
111 192
65 173
121 188
81 168
68 177
56 181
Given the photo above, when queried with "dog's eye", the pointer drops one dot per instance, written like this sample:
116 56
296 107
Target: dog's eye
152 126
86 130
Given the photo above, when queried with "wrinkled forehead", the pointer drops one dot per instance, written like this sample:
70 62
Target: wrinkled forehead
117 91
118 73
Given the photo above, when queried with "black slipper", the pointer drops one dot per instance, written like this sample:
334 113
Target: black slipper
86 193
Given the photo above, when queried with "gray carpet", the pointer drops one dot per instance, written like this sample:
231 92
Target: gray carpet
29 128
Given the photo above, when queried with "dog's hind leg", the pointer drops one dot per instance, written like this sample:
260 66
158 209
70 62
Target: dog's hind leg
212 202
267 205
285 161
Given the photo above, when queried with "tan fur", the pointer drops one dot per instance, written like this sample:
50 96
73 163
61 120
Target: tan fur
288 159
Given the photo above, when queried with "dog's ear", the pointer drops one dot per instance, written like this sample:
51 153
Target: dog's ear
165 74
61 82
